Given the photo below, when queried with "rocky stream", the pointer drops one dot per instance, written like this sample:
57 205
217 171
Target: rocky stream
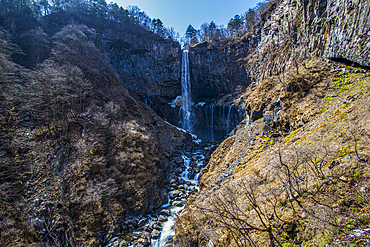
156 228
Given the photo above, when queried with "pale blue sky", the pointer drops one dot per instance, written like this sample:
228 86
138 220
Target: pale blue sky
180 13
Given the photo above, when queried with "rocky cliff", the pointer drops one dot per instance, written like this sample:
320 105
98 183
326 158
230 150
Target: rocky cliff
290 32
287 175
82 158
268 184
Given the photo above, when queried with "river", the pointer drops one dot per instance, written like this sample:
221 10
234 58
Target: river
158 228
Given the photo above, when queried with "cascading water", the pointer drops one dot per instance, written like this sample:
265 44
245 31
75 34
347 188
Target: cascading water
186 93
212 123
228 118
163 219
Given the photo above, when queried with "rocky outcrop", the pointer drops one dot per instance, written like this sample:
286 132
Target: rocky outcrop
214 70
147 64
289 33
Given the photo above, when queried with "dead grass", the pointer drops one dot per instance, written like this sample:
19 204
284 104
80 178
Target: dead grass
311 185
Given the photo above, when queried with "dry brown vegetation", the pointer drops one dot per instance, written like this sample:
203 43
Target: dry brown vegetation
302 182
79 154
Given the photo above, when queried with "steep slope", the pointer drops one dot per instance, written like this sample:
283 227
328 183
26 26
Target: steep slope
148 64
81 154
309 185
295 171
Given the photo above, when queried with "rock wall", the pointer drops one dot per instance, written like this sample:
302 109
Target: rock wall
148 65
288 34
214 71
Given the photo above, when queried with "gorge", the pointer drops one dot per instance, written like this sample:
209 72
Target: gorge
113 135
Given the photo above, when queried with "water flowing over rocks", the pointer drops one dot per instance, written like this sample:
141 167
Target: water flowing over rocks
283 65
290 33
157 231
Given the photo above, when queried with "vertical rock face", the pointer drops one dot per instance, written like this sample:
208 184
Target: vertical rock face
149 67
146 63
214 71
289 33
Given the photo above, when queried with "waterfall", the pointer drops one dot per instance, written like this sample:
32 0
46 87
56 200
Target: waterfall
186 92
228 118
212 107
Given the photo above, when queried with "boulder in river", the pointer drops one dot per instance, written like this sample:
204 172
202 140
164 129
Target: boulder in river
155 234
142 222
141 243
157 227
174 194
122 243
165 212
145 235
179 203
162 218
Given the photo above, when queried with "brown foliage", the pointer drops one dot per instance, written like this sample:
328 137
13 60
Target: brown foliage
78 153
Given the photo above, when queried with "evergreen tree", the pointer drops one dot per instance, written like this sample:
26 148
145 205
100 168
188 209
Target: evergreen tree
157 26
235 24
214 33
191 35
250 18
100 8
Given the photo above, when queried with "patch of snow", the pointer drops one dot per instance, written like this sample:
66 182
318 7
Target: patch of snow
194 137
180 129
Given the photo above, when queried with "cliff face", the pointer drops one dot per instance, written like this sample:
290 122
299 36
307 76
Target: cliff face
282 176
289 33
214 70
148 65
267 184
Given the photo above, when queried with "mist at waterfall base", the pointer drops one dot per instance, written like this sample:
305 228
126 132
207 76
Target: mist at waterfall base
214 122
209 121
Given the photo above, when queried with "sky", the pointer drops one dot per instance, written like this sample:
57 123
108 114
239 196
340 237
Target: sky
180 13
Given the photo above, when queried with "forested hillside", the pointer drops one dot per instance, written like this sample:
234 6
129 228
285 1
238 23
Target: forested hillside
80 154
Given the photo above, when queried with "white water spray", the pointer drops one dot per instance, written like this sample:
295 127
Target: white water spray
186 92
212 131
228 118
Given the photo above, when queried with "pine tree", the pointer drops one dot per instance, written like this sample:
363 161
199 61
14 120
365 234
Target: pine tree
191 35
235 24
